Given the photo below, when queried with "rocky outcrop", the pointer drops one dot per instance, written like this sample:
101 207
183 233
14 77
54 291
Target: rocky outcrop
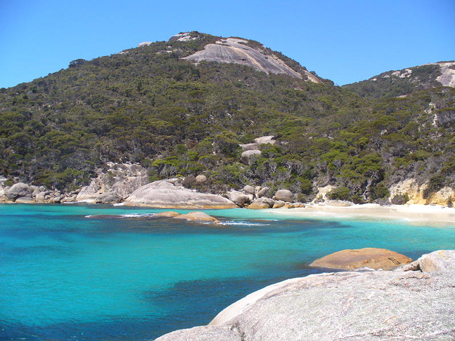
201 178
239 198
322 193
261 203
203 334
167 214
248 155
368 257
2 194
251 150
414 192
249 190
198 217
249 146
438 261
169 194
444 197
19 190
114 184
447 77
263 192
367 305
284 195
237 51
270 139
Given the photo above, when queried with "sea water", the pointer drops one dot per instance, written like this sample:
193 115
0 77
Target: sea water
81 272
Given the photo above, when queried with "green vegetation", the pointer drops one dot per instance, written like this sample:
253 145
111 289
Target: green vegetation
146 105
391 84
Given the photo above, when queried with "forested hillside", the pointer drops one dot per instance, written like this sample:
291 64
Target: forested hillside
146 105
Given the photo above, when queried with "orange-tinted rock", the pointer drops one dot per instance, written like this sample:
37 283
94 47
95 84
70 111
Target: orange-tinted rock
167 214
368 257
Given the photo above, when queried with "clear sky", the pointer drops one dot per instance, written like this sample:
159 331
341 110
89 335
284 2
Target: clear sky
342 40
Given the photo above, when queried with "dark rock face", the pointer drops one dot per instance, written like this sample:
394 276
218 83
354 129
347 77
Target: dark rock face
233 50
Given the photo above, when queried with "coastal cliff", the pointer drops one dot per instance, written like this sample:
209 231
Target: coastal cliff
413 302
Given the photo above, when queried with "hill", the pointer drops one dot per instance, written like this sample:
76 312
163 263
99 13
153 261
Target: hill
178 110
403 82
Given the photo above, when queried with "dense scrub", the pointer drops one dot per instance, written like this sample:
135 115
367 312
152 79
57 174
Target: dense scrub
146 105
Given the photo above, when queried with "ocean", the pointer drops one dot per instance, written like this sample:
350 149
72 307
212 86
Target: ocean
98 272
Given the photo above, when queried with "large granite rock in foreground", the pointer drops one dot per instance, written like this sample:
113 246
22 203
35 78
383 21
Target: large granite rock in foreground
165 194
368 257
373 305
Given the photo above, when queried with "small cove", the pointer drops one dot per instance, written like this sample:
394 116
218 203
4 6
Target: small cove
86 272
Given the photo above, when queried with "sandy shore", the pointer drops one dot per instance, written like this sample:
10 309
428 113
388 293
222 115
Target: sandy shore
411 214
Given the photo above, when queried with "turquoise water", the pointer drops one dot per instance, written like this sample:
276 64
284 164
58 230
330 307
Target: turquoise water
81 272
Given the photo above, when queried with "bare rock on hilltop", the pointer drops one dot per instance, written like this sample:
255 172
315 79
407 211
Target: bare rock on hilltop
368 257
236 51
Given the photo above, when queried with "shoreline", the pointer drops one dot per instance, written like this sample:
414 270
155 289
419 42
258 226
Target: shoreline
412 214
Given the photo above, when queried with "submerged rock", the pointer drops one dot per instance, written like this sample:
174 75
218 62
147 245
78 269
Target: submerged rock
167 214
198 216
368 257
372 305
165 194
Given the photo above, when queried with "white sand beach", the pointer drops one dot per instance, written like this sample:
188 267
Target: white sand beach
432 215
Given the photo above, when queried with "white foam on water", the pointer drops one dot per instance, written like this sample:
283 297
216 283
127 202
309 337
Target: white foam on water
122 216
242 223
137 215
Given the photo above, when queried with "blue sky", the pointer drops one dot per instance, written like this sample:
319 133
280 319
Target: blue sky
345 40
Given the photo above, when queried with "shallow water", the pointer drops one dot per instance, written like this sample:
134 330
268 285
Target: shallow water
81 272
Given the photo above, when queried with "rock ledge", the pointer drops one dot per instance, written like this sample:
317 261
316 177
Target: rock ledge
355 306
